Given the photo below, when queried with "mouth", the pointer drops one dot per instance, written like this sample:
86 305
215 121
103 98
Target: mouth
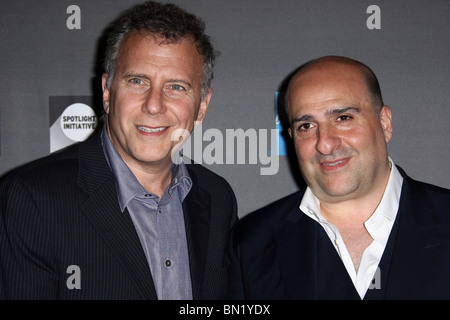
334 165
151 130
147 129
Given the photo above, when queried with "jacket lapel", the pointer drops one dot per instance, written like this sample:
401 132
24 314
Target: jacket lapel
197 217
114 226
315 271
296 252
417 243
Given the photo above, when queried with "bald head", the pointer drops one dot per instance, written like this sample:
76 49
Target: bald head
341 68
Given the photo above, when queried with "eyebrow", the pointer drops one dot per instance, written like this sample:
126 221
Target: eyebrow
134 75
342 110
180 81
309 117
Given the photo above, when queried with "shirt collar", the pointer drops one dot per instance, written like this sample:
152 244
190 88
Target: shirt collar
386 210
180 180
128 187
388 207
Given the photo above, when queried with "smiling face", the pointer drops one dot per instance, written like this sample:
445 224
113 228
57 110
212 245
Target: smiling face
340 140
155 91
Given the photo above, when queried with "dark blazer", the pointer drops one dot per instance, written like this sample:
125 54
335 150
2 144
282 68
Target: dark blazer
280 253
63 211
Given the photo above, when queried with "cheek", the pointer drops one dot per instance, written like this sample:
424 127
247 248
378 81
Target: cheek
364 139
186 114
123 106
305 149
357 138
305 156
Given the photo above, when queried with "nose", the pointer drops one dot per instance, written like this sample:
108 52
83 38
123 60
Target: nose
154 102
327 140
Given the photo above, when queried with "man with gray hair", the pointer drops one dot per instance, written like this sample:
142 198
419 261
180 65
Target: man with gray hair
114 217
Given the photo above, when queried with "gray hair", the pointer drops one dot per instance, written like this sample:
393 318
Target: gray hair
164 20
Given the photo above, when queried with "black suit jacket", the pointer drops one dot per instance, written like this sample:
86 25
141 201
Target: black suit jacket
62 211
280 253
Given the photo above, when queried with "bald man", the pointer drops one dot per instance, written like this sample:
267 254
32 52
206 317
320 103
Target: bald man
362 229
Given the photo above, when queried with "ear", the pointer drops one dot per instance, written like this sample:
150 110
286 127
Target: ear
290 132
204 107
386 122
105 92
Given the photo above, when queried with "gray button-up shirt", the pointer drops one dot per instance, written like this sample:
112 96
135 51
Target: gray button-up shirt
159 224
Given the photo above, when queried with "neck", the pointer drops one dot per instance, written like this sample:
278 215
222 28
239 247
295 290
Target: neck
154 179
352 212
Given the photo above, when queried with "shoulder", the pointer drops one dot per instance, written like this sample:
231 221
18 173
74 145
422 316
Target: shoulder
53 166
259 223
438 196
277 210
416 184
425 197
207 179
417 187
218 190
434 190
63 165
49 181
215 192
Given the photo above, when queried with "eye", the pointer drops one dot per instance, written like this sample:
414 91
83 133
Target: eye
176 87
136 81
175 90
305 126
344 118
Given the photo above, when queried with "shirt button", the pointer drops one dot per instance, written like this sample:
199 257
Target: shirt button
168 263
148 195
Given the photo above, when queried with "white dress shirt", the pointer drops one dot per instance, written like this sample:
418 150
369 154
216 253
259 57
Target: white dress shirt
379 226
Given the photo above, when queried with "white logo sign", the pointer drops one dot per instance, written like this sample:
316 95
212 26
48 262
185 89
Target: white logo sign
78 121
